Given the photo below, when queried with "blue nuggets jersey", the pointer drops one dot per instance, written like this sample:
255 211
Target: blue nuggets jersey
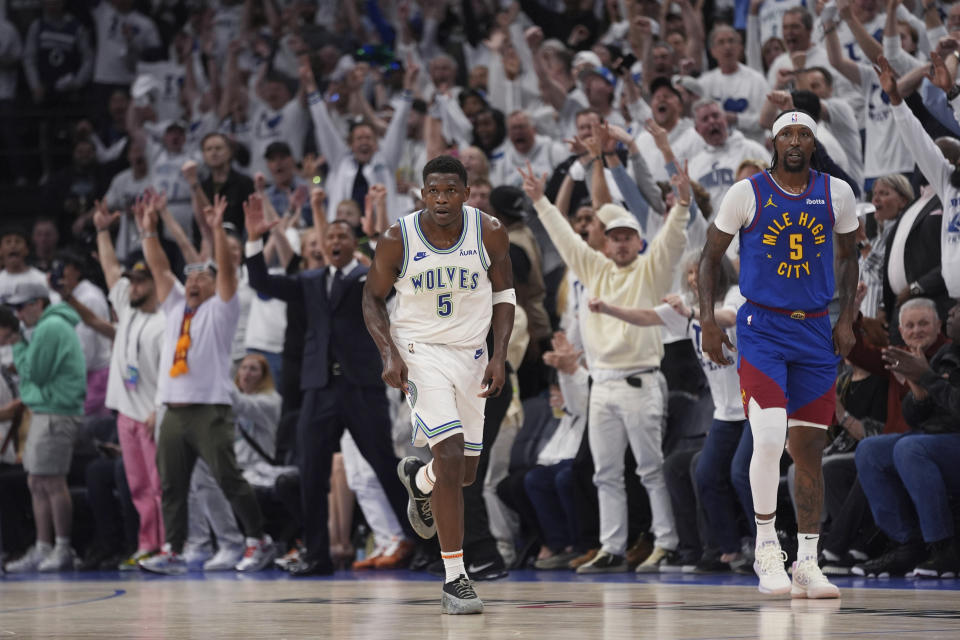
786 254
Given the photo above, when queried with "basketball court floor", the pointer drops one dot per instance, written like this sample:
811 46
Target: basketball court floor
400 604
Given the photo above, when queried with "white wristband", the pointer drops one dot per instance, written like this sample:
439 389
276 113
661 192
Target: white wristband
508 296
253 247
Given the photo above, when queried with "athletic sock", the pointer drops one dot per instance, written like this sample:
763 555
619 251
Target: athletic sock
45 547
426 478
63 541
453 564
766 530
807 545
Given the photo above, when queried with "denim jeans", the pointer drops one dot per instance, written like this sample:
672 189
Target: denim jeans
723 482
550 490
907 479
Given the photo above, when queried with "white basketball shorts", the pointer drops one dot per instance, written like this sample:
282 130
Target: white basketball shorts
444 384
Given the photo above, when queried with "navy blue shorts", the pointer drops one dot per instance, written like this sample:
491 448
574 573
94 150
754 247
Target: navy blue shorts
787 363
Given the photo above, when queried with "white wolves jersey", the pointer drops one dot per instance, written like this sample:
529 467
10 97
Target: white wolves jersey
444 296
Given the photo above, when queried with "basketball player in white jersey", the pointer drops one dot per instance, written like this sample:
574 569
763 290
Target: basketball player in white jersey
450 265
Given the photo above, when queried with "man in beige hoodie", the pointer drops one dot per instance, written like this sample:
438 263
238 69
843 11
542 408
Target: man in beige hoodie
628 400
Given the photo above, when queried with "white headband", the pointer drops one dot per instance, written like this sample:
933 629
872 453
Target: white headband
792 118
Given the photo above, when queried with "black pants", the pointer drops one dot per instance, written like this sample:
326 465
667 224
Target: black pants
16 513
851 523
585 497
115 518
478 542
512 492
678 472
326 412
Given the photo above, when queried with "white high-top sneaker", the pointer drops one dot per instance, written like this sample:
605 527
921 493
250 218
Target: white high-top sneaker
768 565
809 581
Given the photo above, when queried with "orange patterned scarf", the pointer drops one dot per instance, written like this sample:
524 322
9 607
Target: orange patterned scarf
183 345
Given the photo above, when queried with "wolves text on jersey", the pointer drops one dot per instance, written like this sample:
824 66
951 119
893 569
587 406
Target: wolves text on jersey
445 278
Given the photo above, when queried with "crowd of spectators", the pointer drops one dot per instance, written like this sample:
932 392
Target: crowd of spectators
208 176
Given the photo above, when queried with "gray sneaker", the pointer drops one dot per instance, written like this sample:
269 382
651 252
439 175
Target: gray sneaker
419 509
556 561
460 598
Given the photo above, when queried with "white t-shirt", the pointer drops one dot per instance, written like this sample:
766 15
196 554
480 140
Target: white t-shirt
289 125
684 141
715 168
544 157
165 175
170 77
123 192
211 334
227 20
96 347
742 92
848 42
9 282
138 343
740 204
771 17
267 321
724 380
110 67
884 149
833 148
817 57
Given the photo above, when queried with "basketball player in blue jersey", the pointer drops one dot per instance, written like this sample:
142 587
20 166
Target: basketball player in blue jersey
450 266
787 361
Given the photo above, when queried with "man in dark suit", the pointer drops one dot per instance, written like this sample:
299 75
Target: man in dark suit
340 377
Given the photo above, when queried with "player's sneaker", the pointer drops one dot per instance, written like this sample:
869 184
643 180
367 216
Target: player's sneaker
168 562
768 565
419 510
809 581
459 597
60 559
259 554
604 562
30 561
